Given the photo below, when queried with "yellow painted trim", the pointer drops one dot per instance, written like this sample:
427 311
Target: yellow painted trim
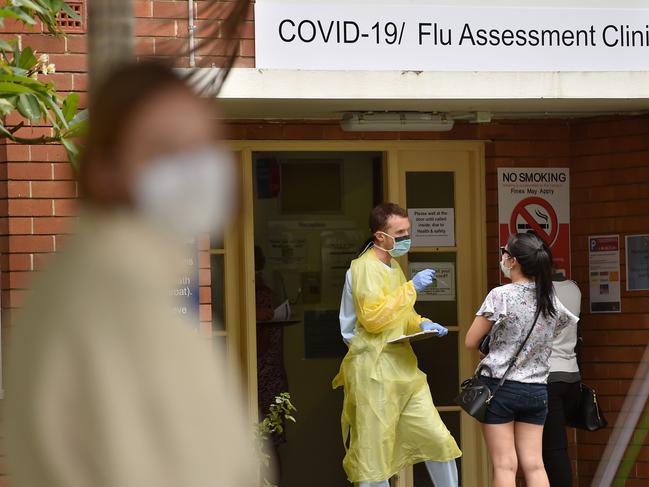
248 309
231 298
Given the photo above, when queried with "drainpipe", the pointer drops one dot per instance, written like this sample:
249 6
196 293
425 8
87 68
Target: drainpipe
191 27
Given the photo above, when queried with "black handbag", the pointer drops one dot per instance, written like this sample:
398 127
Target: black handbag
587 416
475 395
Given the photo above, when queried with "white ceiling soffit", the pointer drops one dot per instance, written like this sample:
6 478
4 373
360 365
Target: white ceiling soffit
262 94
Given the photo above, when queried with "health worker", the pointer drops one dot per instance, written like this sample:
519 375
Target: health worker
389 420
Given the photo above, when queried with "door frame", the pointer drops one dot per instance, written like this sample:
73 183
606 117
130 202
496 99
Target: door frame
240 292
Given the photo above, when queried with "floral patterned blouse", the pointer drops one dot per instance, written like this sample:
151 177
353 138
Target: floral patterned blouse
511 308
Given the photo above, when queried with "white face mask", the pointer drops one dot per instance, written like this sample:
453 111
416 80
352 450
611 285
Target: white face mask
506 270
190 192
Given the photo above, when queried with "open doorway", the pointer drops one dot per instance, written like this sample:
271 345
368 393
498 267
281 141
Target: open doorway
310 221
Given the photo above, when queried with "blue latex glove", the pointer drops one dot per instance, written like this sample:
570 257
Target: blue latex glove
423 279
429 325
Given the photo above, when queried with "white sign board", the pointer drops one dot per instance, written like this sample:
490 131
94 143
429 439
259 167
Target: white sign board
637 262
443 287
421 37
604 274
536 199
432 227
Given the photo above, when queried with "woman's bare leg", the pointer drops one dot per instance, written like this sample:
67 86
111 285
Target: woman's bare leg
529 449
500 444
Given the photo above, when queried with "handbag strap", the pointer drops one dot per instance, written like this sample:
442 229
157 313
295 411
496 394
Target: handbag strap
511 364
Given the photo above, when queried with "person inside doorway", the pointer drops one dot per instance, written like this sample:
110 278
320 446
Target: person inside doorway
271 374
389 420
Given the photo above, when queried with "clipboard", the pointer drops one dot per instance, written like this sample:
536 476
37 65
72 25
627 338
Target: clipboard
421 335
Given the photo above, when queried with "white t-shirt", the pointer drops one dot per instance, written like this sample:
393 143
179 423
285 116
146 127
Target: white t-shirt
564 359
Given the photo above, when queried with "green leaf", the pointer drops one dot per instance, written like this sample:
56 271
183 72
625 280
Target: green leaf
17 77
9 12
54 5
13 88
6 106
71 13
18 72
30 5
52 104
28 106
5 46
5 132
77 130
27 59
73 152
23 16
80 118
50 5
52 119
70 104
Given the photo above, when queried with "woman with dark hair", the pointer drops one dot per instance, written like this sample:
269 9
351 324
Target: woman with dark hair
513 425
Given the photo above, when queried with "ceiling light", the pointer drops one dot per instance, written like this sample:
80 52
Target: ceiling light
395 122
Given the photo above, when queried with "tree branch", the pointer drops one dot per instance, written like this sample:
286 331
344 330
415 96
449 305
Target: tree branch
31 141
16 128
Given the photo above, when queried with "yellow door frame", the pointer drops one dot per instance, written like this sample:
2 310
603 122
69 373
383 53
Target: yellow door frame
240 274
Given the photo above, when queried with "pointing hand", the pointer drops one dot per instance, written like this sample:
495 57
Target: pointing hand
423 279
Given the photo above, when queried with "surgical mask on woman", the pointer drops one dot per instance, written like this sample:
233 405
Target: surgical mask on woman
401 245
189 192
506 270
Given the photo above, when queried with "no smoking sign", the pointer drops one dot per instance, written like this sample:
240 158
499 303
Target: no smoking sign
536 199
538 215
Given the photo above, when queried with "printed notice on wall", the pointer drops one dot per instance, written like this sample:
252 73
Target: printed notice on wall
286 250
604 273
536 199
443 287
432 227
339 248
186 292
637 262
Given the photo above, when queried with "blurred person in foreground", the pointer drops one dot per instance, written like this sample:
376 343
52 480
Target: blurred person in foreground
107 385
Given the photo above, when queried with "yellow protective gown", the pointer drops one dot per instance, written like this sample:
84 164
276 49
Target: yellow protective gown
388 414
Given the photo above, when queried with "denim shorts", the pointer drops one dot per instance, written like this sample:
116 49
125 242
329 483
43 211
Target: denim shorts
517 401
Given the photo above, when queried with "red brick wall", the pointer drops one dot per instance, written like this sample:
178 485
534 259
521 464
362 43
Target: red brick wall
161 32
610 195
